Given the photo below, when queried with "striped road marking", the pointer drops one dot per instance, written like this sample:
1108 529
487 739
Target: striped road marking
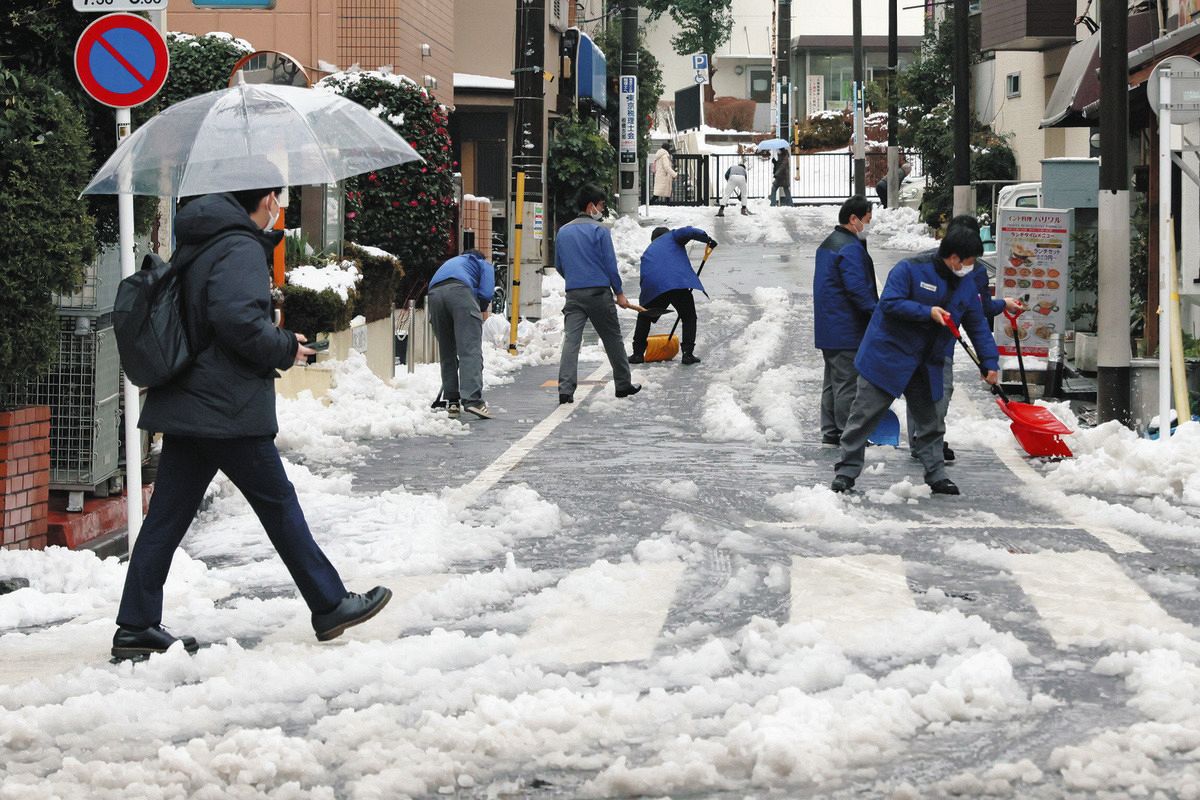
852 595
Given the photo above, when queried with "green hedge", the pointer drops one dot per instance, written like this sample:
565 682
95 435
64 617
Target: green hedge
578 155
311 312
826 130
381 277
45 157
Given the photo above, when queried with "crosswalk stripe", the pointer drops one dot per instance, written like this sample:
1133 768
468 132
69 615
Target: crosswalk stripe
850 594
1084 598
606 613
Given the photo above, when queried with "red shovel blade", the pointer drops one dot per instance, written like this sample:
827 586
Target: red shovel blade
1038 444
1036 429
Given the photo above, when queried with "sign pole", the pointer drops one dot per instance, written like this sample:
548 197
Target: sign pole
1164 255
627 201
133 436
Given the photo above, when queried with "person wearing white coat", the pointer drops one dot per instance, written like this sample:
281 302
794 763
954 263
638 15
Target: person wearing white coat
664 173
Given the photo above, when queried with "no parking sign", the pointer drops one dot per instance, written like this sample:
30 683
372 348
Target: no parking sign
121 60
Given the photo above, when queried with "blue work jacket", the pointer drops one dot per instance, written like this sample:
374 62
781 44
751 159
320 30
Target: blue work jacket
902 339
844 291
992 306
584 255
666 266
475 272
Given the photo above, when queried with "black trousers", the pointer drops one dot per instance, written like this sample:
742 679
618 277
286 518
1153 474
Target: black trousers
186 467
685 306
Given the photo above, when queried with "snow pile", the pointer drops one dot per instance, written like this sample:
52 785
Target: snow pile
340 278
900 228
1111 459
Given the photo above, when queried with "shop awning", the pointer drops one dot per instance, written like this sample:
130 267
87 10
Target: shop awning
1183 41
1078 85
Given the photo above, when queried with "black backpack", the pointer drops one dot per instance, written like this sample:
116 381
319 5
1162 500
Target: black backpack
148 319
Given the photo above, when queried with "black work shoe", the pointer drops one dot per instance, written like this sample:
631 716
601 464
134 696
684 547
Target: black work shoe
721 213
831 438
636 359
563 399
134 643
633 389
842 483
354 609
944 486
947 453
453 408
747 212
688 358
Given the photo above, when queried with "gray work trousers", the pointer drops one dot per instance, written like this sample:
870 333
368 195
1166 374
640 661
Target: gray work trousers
837 390
594 304
941 406
458 325
870 404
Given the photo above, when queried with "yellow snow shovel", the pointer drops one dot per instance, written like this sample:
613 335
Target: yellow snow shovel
665 348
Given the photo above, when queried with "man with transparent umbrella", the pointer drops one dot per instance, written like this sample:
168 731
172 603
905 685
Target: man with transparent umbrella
237 148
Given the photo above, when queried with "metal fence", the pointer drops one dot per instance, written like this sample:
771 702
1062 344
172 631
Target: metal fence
691 184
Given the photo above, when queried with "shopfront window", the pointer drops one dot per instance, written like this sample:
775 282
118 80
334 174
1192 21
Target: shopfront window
838 71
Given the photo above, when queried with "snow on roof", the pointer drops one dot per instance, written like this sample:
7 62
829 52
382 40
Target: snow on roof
465 80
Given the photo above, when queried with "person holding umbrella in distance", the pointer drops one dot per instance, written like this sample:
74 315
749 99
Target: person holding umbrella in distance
903 353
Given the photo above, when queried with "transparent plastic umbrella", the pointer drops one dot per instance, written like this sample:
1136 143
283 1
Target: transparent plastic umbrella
773 144
251 136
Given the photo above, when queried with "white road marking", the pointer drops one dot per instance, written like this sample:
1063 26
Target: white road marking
603 614
1084 598
850 594
468 493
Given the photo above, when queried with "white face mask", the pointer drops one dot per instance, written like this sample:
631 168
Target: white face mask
963 270
273 217
862 233
596 214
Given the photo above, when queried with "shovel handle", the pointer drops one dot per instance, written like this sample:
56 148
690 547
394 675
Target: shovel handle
708 248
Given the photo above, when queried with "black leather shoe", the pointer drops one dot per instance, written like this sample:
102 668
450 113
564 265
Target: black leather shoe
688 358
636 359
944 486
632 390
353 610
947 453
134 643
842 483
563 399
831 438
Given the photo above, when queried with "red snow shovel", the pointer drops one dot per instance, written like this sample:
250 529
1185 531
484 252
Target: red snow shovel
1037 430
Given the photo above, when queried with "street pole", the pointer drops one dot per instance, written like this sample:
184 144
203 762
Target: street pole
1113 295
528 153
133 435
627 203
1166 245
893 151
860 158
962 109
783 62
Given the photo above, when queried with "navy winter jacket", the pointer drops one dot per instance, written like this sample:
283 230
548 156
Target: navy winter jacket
666 266
844 291
902 338
229 391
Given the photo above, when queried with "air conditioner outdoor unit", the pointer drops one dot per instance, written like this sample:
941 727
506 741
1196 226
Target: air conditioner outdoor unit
559 14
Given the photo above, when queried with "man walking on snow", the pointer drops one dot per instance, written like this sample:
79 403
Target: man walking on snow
584 256
903 352
668 280
844 297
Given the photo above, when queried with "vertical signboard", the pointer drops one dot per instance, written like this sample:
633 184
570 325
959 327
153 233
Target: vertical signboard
1033 253
700 68
628 119
816 95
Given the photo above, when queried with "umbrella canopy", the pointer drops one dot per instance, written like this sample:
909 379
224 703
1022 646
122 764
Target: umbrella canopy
773 144
248 137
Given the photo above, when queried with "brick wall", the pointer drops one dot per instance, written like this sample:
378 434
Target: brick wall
24 477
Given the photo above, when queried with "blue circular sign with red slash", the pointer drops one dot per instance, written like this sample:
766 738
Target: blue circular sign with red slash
121 60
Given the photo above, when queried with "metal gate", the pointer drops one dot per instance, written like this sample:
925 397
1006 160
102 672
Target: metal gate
691 184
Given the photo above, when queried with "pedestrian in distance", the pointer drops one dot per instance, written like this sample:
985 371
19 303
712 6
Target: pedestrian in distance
668 281
992 306
664 173
219 414
736 178
845 294
903 353
782 178
460 293
584 256
881 188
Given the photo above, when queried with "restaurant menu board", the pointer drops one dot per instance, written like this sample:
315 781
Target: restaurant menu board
1033 253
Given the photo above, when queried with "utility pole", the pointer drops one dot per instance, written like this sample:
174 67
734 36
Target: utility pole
629 199
1112 304
860 158
528 153
893 151
962 109
783 67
